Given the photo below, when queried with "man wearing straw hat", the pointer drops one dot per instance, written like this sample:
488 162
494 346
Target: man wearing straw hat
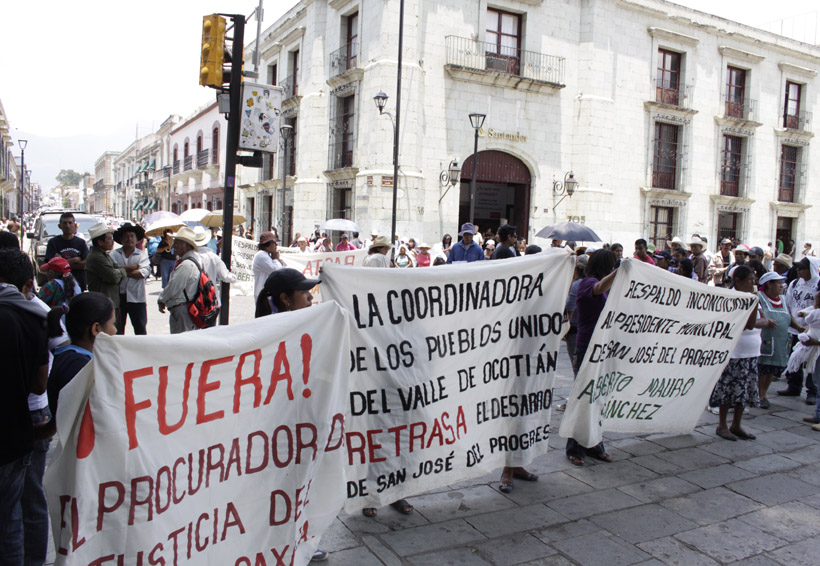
132 289
101 272
183 282
699 260
212 264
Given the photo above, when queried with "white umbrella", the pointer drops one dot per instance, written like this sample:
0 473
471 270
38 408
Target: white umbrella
193 214
340 224
214 219
160 226
160 215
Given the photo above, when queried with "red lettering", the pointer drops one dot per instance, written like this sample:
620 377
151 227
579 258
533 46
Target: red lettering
372 446
135 501
264 464
252 380
340 419
281 372
64 501
233 459
355 445
131 407
158 491
274 495
102 508
276 445
396 431
205 387
164 427
215 465
196 533
174 482
302 443
232 520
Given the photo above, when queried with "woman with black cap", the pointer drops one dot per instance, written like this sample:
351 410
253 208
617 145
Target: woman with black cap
285 290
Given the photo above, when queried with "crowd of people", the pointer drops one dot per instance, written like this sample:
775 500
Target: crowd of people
96 289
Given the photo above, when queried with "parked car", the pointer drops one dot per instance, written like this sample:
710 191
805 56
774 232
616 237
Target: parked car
46 227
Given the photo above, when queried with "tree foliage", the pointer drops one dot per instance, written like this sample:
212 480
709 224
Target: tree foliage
69 178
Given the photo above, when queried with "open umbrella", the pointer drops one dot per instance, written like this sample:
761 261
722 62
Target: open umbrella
193 215
160 226
159 215
214 219
568 231
340 224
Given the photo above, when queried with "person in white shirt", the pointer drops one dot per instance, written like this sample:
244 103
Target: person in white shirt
377 254
302 245
265 262
132 288
212 264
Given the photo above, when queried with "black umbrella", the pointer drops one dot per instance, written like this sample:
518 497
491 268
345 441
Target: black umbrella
569 231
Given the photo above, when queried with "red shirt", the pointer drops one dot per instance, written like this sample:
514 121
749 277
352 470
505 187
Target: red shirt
648 259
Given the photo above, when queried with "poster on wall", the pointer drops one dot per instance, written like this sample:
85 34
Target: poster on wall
261 109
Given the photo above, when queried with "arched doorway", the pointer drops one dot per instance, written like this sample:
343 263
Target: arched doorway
502 191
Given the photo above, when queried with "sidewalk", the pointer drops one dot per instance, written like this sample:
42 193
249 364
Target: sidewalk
693 499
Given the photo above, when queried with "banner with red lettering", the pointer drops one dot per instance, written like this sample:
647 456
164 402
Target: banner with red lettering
451 370
218 446
657 351
310 263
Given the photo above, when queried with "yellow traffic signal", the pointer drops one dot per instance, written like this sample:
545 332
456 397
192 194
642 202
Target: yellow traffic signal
213 50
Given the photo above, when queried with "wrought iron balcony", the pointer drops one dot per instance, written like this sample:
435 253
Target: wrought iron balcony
733 179
344 59
483 56
291 87
341 154
202 159
801 121
188 164
176 167
740 109
672 95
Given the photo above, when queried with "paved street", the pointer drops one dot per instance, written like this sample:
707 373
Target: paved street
692 499
687 500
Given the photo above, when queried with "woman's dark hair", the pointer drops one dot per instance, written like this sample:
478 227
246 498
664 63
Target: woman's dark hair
9 241
740 273
263 303
615 245
758 267
445 238
686 267
601 263
439 261
68 285
15 268
80 315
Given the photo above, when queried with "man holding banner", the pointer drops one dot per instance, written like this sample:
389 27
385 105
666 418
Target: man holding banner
656 351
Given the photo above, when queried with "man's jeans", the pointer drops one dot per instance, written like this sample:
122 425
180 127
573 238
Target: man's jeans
35 508
12 479
166 266
138 314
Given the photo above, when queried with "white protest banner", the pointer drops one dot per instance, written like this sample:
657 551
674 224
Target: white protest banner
218 446
309 264
657 351
451 370
242 253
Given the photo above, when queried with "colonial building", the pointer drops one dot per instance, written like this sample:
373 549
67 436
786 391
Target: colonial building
9 171
672 121
103 197
198 158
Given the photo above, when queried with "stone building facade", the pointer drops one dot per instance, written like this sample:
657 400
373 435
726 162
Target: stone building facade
672 121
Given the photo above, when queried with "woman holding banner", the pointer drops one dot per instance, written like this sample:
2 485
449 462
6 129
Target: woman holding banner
737 386
775 343
590 301
286 289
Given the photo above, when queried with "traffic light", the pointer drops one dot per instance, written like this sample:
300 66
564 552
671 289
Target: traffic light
213 51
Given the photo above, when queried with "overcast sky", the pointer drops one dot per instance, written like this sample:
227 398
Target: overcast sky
85 76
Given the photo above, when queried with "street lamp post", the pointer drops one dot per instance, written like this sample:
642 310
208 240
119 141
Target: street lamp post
476 120
167 170
286 132
380 100
23 144
564 189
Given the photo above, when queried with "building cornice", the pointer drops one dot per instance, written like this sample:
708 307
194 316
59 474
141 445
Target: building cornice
728 51
793 69
672 35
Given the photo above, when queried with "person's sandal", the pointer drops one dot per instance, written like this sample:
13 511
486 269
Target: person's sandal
402 506
575 460
603 457
742 434
725 434
369 512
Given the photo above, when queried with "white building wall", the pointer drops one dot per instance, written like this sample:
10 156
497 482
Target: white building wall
600 125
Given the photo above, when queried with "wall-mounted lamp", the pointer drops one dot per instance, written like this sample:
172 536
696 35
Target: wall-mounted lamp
565 188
